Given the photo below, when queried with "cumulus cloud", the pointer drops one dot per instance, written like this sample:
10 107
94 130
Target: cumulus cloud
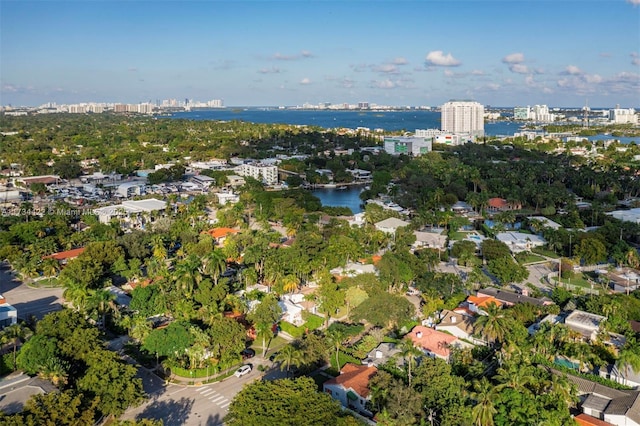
400 61
635 58
513 58
477 72
384 84
439 59
572 70
519 68
306 54
386 69
272 70
305 81
634 2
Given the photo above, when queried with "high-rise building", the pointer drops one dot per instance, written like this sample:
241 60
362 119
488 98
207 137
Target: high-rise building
623 115
465 117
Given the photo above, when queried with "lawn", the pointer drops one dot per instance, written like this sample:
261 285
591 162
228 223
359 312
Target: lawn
343 358
530 258
273 346
545 252
312 322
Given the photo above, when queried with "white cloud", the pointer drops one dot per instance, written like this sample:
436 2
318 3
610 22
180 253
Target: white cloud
634 2
519 68
635 58
400 61
572 70
386 69
302 55
438 58
305 81
592 79
477 72
384 84
513 58
272 70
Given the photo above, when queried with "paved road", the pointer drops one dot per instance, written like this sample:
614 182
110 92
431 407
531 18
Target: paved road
28 301
204 405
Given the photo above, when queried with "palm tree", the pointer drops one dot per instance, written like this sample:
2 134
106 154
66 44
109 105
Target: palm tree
50 267
102 301
484 395
288 356
14 334
289 283
55 370
213 265
409 352
264 331
337 337
628 360
494 325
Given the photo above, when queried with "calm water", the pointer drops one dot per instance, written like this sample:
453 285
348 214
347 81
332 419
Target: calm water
387 120
349 197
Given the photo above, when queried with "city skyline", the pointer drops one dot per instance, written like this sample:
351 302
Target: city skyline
509 53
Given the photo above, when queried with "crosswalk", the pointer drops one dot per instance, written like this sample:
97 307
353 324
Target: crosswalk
213 396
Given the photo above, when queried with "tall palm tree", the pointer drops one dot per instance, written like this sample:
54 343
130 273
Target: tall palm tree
628 360
14 334
288 356
484 395
289 283
264 331
213 265
55 370
494 325
409 352
337 338
102 301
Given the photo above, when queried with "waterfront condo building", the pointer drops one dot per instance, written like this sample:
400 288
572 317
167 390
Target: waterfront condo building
264 173
463 117
619 115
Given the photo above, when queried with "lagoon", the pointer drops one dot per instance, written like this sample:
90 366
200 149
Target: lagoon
334 197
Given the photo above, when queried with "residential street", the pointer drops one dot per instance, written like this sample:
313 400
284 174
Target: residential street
27 300
204 405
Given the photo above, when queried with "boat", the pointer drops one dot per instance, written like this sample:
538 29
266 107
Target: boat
340 188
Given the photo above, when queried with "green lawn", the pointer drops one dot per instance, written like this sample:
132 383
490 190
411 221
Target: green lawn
343 358
313 322
275 345
530 258
546 252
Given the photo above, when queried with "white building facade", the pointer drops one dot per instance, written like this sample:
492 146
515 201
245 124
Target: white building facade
262 172
465 117
410 145
623 116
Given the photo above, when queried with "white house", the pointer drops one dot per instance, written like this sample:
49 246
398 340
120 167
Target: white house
8 314
227 198
351 387
429 240
390 225
585 323
291 312
130 189
130 210
518 241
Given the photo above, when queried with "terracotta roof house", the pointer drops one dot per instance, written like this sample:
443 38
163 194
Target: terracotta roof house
478 303
432 342
220 234
500 204
351 387
65 256
585 420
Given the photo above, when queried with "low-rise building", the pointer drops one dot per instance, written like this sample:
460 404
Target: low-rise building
455 323
518 241
391 225
351 387
133 213
430 240
8 313
433 343
585 323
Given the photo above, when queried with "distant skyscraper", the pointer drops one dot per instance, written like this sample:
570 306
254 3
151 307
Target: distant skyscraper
463 117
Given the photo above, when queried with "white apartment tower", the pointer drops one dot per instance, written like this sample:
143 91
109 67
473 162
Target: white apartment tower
623 115
465 117
262 172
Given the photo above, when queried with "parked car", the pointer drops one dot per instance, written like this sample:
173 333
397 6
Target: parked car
245 369
273 356
247 353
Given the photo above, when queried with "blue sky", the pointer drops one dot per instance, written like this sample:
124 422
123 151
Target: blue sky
501 53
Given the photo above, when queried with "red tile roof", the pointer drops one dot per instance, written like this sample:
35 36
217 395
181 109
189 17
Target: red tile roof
497 203
483 301
355 377
586 420
69 254
220 232
432 340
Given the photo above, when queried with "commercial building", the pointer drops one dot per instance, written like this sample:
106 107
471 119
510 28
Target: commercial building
410 145
463 117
